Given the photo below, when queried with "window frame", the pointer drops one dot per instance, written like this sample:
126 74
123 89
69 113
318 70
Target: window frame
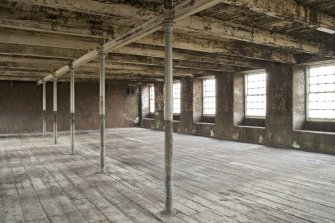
173 98
151 86
307 86
203 97
245 94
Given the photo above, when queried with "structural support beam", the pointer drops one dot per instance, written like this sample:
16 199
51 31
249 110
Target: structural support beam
44 110
188 8
244 33
55 109
168 116
72 110
291 10
102 102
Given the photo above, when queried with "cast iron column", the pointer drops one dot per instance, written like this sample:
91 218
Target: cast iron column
55 109
168 116
102 57
44 110
72 107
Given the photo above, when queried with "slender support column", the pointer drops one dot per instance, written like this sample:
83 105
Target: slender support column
168 117
72 110
55 109
102 57
44 110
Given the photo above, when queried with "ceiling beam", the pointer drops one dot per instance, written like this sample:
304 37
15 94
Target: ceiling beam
188 8
39 52
220 47
234 31
97 8
180 42
202 25
290 11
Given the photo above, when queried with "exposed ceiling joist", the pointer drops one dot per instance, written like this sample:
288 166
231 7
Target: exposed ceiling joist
187 8
227 30
289 10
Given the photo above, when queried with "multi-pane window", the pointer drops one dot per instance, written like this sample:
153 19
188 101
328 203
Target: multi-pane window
321 92
151 99
176 98
255 95
209 97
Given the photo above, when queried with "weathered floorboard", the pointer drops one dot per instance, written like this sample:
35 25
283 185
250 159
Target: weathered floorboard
215 180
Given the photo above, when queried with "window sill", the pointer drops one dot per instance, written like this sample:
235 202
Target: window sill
249 127
147 119
204 123
314 132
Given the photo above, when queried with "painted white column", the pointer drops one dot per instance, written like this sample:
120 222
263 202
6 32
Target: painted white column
168 116
72 111
102 102
44 110
55 108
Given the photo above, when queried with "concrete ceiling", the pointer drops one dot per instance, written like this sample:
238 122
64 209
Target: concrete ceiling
40 36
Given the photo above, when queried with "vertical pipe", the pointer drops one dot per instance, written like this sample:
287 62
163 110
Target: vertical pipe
102 57
168 116
44 109
72 110
55 109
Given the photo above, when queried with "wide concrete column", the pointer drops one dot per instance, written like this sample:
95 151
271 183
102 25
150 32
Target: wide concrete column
168 116
55 109
186 108
72 110
102 102
44 109
224 118
279 118
159 105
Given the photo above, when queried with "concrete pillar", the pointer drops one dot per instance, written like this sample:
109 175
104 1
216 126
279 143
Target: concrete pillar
72 110
44 109
238 98
186 108
55 108
159 105
168 116
224 118
197 100
279 119
299 97
102 57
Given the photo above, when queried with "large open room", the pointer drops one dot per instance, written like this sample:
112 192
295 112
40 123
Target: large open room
180 111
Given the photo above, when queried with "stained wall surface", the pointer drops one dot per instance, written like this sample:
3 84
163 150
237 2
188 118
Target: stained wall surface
21 106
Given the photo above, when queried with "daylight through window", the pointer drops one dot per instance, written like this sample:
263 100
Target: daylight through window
151 99
255 95
209 97
321 92
176 98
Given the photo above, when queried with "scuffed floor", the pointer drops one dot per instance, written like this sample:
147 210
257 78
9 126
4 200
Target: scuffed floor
215 181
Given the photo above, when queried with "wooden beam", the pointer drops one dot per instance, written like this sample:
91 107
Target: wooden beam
48 40
219 47
180 41
95 8
202 25
186 9
228 30
52 53
289 10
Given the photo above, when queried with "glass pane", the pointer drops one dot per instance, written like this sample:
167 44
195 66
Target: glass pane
321 92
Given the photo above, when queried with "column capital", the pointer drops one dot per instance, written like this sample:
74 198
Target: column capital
71 66
101 51
168 23
54 75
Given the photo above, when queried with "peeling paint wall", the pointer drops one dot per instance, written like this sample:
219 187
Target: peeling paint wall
21 106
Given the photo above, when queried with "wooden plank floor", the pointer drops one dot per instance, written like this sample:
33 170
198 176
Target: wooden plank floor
215 181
